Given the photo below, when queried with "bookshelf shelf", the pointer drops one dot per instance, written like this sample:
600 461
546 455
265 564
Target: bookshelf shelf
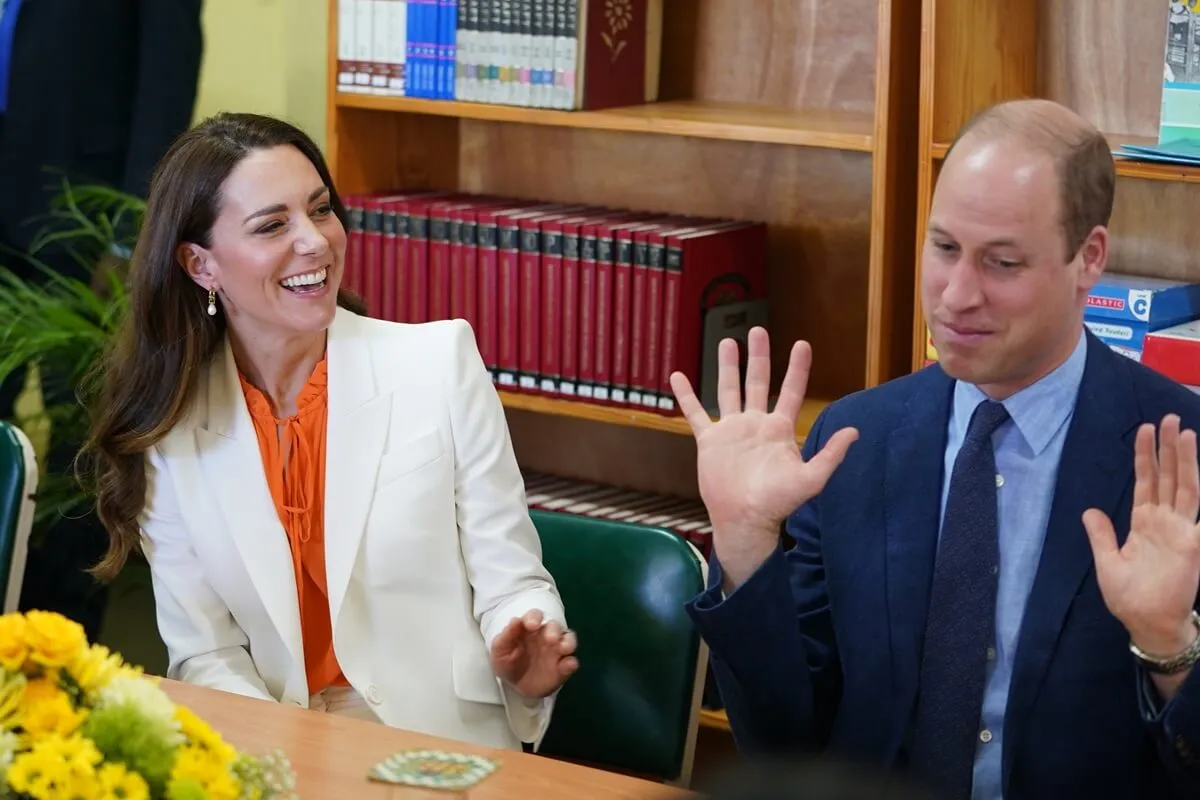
1126 168
742 122
628 417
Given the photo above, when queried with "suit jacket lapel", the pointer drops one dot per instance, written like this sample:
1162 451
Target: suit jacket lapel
357 429
231 461
1095 471
915 458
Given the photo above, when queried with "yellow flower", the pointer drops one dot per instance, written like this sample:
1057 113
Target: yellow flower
54 715
54 640
95 666
200 733
119 783
207 769
13 649
57 767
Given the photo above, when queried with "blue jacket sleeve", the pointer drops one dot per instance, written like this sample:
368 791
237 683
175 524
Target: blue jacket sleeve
771 642
1175 726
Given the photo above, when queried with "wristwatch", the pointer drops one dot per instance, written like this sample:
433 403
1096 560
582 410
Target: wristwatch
1171 665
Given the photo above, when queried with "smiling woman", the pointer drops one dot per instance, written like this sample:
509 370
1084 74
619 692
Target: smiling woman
264 443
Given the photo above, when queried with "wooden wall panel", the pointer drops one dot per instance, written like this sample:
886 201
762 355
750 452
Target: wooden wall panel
1104 58
374 151
984 51
817 203
1153 232
651 461
785 53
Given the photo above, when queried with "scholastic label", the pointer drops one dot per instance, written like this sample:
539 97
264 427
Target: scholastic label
1111 303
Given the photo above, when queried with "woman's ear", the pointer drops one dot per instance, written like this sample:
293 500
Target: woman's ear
197 263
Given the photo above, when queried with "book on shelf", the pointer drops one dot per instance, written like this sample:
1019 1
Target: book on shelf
560 54
566 300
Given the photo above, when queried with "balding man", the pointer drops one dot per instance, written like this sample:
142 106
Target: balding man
967 599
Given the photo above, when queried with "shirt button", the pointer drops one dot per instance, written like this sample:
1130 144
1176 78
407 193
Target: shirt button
985 736
373 695
999 480
991 654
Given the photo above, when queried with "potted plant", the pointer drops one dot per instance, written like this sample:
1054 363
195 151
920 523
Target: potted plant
58 326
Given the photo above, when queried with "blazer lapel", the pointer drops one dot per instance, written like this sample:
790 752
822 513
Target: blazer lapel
1095 471
231 462
357 429
912 505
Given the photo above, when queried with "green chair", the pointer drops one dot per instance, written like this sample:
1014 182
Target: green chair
18 483
634 704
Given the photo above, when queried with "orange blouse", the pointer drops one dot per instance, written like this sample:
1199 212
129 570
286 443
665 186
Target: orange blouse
293 453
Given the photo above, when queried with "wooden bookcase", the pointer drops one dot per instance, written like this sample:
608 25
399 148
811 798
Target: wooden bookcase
800 113
1103 58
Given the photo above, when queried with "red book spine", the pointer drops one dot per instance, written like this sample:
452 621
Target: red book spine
529 305
439 263
403 279
602 317
652 341
550 365
418 262
470 270
387 271
372 255
352 267
622 314
672 280
586 325
638 320
458 293
487 234
569 308
508 256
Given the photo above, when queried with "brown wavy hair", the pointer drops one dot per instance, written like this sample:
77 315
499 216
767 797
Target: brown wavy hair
146 381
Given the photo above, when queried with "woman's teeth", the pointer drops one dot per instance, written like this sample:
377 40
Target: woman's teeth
305 280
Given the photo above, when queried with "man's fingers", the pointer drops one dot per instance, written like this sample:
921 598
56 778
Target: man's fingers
695 414
1145 483
795 382
729 378
827 459
758 369
1168 459
532 620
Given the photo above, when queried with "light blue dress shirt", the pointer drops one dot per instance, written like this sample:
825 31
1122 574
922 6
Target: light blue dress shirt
1028 448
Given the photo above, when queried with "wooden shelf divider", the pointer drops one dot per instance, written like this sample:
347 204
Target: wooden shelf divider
631 417
742 122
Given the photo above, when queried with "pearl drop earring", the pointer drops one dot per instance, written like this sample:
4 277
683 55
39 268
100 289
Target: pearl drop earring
212 303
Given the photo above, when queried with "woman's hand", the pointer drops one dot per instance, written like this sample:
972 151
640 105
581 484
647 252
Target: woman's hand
534 658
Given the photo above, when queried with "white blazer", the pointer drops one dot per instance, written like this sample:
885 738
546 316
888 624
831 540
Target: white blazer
429 547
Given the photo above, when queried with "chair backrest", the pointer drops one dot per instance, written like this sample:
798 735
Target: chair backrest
634 704
18 484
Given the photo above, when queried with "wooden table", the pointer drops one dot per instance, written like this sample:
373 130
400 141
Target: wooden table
331 755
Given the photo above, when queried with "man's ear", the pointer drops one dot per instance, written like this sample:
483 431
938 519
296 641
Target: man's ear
197 263
1093 255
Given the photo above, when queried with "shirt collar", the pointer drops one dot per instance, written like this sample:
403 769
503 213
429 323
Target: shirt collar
1038 410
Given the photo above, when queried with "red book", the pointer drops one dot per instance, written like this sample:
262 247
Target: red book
705 269
531 303
387 272
371 271
488 311
418 254
352 266
622 331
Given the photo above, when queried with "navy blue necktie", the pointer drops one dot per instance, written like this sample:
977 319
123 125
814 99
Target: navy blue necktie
9 9
962 615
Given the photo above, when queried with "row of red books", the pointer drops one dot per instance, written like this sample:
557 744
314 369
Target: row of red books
566 300
684 516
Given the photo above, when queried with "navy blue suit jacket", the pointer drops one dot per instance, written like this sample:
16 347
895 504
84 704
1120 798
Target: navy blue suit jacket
820 649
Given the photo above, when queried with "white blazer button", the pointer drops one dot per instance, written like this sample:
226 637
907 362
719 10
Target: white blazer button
373 695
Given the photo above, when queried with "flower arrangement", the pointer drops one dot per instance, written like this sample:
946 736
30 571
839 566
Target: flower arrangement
77 722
